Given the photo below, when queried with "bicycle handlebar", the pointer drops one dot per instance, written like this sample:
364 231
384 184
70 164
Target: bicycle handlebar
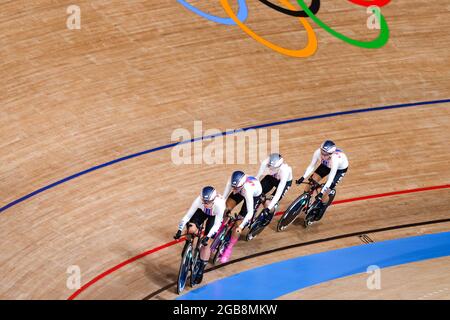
314 183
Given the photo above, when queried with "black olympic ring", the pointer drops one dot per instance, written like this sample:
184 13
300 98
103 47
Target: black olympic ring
314 7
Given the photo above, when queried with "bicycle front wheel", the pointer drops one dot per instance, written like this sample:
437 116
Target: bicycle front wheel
185 266
194 266
292 212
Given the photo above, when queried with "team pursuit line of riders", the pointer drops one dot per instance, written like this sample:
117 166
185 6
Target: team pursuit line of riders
215 210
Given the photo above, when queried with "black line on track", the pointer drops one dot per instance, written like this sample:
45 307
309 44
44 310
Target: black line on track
303 244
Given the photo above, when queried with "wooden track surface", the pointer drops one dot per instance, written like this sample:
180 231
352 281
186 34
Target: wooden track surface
138 70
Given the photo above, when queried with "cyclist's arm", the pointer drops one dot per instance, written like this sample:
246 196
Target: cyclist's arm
249 206
195 205
218 217
227 190
262 168
315 159
280 189
332 175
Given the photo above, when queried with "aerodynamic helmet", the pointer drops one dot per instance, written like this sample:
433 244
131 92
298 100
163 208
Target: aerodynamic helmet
238 179
328 146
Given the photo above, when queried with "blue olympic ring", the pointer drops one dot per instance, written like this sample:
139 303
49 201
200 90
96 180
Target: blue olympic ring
242 14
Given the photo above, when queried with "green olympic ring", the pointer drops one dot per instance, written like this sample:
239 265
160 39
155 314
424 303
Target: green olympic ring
380 41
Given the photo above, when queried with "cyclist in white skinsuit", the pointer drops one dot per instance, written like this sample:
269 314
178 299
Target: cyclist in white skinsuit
334 164
241 187
275 173
208 206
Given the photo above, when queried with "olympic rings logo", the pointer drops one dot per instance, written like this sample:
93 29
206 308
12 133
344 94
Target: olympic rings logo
288 9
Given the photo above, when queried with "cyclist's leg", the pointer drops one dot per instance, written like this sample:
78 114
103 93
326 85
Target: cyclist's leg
330 193
232 202
237 198
286 188
337 179
263 216
267 184
240 217
321 172
256 203
233 239
271 214
195 222
192 227
205 251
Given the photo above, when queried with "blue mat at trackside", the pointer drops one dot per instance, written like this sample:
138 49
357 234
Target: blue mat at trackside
280 278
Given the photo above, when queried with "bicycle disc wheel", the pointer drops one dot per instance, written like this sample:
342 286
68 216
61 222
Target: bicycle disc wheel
309 219
254 231
184 269
291 212
312 214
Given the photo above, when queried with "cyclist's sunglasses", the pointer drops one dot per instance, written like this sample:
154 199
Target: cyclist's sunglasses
207 201
325 153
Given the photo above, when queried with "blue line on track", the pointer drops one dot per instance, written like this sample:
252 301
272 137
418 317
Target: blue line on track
167 146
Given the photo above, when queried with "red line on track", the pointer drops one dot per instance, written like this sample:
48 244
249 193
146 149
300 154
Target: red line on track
169 244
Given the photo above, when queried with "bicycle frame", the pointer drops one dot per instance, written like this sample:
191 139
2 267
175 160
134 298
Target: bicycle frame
223 230
296 207
315 186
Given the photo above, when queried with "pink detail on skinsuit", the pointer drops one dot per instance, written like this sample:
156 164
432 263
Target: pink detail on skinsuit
227 253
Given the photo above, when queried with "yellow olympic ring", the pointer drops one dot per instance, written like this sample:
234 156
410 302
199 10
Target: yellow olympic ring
309 50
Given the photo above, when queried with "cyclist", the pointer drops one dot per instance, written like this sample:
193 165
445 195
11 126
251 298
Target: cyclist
334 164
277 174
208 206
241 187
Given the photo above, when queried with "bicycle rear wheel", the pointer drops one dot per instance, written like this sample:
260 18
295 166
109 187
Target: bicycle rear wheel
310 217
258 226
292 212
185 266
256 229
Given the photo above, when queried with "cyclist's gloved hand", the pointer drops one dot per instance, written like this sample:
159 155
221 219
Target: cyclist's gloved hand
177 235
319 196
205 241
299 181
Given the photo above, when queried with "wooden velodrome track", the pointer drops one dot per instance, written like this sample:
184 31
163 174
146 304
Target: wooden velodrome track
137 70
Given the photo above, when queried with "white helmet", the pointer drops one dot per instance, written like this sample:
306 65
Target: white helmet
275 160
238 179
328 146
